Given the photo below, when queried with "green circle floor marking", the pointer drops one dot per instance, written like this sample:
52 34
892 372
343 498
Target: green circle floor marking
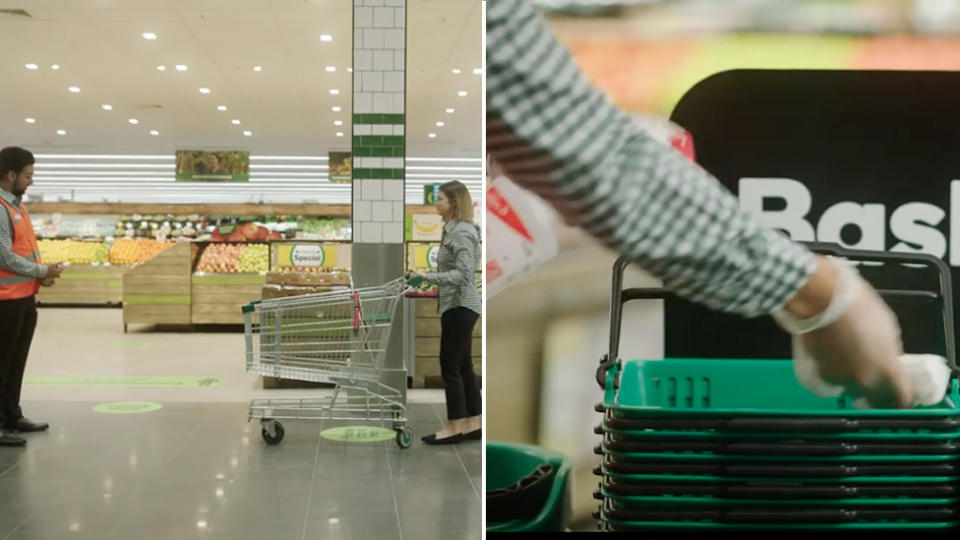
358 434
127 407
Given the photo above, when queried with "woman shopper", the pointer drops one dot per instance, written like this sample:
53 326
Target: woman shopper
459 308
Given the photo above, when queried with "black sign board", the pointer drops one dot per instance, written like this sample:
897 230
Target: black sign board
869 159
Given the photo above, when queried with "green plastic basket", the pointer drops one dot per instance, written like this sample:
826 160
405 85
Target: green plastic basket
689 387
754 459
627 501
687 525
711 435
507 463
627 478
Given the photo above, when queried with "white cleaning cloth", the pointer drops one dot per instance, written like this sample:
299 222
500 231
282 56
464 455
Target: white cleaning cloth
929 377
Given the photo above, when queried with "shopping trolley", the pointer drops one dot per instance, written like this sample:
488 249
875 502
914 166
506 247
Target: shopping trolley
337 337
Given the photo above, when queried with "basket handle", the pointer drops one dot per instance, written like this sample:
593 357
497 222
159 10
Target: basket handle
620 296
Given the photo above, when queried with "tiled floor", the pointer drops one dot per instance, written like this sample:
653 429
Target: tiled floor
197 469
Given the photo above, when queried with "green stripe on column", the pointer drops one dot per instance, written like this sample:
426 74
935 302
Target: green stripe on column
378 173
390 119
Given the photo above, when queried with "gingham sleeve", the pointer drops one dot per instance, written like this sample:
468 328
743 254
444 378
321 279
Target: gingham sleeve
556 135
462 275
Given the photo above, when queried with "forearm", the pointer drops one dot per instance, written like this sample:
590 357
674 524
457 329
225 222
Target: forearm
556 135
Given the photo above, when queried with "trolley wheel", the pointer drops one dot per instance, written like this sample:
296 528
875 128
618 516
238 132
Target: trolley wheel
404 437
276 437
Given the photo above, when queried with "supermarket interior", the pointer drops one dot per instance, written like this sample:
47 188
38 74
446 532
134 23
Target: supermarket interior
548 330
220 178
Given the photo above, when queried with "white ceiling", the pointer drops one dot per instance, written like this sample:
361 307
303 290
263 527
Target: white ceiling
287 105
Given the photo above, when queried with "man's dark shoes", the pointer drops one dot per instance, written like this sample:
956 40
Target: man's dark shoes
8 439
25 425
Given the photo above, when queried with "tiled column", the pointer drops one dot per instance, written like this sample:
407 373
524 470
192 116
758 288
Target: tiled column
379 96
379 85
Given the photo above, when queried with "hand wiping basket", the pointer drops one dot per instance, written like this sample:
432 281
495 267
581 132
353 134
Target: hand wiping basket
926 375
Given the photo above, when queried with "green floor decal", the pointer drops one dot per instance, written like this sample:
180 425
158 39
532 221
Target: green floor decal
127 407
358 434
75 380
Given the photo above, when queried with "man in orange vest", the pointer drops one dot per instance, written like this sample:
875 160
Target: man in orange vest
21 274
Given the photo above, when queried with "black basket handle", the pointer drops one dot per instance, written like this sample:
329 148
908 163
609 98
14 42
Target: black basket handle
619 296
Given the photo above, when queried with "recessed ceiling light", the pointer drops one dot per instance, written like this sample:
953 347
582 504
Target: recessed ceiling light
477 71
451 111
432 135
74 89
181 67
326 37
133 121
107 107
149 35
30 120
462 93
338 122
334 91
161 68
247 133
33 66
456 71
350 70
154 132
61 132
439 124
258 68
221 107
235 122
339 134
336 108
204 90
55 67
331 69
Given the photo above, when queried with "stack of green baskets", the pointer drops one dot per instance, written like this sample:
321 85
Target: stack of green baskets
528 489
721 444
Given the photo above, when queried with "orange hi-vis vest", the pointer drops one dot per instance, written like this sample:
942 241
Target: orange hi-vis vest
14 286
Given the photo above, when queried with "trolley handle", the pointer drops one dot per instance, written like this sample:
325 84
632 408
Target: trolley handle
620 296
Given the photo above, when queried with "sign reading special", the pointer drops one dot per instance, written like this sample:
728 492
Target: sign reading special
312 255
213 166
422 256
341 167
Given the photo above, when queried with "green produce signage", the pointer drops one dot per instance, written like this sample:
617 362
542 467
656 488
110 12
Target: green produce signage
430 193
341 167
213 166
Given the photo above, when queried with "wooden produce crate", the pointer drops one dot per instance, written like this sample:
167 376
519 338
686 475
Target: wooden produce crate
218 298
427 345
86 284
158 291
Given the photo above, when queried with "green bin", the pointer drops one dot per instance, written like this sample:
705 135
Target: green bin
507 464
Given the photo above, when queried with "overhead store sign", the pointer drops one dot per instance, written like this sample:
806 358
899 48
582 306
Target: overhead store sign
869 162
430 193
213 166
341 167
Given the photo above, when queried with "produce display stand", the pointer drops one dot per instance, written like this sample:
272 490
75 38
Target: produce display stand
159 291
86 284
421 329
218 298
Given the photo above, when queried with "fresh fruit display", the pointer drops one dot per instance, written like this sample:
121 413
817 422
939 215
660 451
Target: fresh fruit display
255 258
72 251
135 251
234 258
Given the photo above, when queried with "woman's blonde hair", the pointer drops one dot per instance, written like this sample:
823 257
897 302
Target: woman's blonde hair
458 195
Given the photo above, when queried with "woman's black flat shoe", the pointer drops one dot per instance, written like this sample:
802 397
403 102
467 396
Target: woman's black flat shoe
432 439
475 435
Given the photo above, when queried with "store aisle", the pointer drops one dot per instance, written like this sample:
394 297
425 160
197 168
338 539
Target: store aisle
195 468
